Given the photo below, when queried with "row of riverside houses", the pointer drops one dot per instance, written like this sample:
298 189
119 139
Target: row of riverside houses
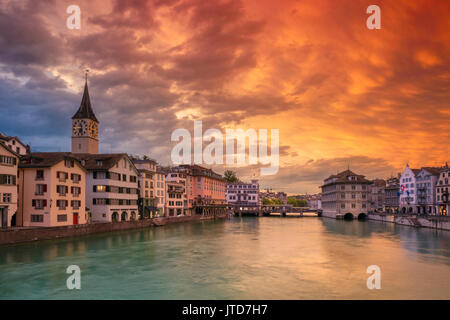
46 189
415 191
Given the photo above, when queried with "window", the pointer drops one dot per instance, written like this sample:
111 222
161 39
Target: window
75 177
37 218
99 163
69 163
343 205
353 205
41 189
62 190
100 188
61 217
7 179
7 197
62 176
99 201
8 160
76 204
76 191
99 175
39 203
61 204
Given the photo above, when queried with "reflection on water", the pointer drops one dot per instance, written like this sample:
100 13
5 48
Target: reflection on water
248 258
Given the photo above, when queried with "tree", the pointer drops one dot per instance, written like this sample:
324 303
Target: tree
297 202
230 176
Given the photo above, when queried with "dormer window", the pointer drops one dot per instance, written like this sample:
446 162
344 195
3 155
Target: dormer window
99 163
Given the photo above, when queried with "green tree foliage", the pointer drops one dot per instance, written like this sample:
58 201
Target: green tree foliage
267 201
297 202
230 176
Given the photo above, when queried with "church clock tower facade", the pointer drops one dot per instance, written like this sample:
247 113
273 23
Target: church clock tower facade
85 127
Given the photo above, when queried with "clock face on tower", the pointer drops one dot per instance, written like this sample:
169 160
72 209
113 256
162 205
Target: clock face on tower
78 128
93 130
84 128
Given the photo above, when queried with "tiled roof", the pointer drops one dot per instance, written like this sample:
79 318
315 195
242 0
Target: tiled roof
202 171
342 177
45 159
102 161
379 182
145 161
433 170
88 161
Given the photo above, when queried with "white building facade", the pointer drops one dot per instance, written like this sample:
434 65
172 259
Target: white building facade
408 191
426 180
243 194
111 187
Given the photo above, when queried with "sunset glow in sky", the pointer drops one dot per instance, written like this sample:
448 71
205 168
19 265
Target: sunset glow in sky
341 94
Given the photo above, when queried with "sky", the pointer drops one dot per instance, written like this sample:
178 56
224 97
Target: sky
342 95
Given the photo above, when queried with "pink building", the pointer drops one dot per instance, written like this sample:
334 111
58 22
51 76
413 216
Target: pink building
51 190
207 186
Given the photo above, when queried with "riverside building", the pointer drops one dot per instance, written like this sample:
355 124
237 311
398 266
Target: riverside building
345 195
159 183
426 180
208 187
442 192
391 195
408 192
8 186
377 195
51 190
14 144
243 194
146 183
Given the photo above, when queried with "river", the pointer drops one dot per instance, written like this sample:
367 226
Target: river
243 258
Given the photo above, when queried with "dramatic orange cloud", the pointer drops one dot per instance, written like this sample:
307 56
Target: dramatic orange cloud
340 94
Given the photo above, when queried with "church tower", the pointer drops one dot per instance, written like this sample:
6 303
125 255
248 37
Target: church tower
85 127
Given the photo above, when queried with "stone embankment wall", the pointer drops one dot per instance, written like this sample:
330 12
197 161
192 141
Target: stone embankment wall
437 222
19 235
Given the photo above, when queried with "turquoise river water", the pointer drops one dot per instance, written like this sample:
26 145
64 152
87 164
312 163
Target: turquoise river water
243 258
